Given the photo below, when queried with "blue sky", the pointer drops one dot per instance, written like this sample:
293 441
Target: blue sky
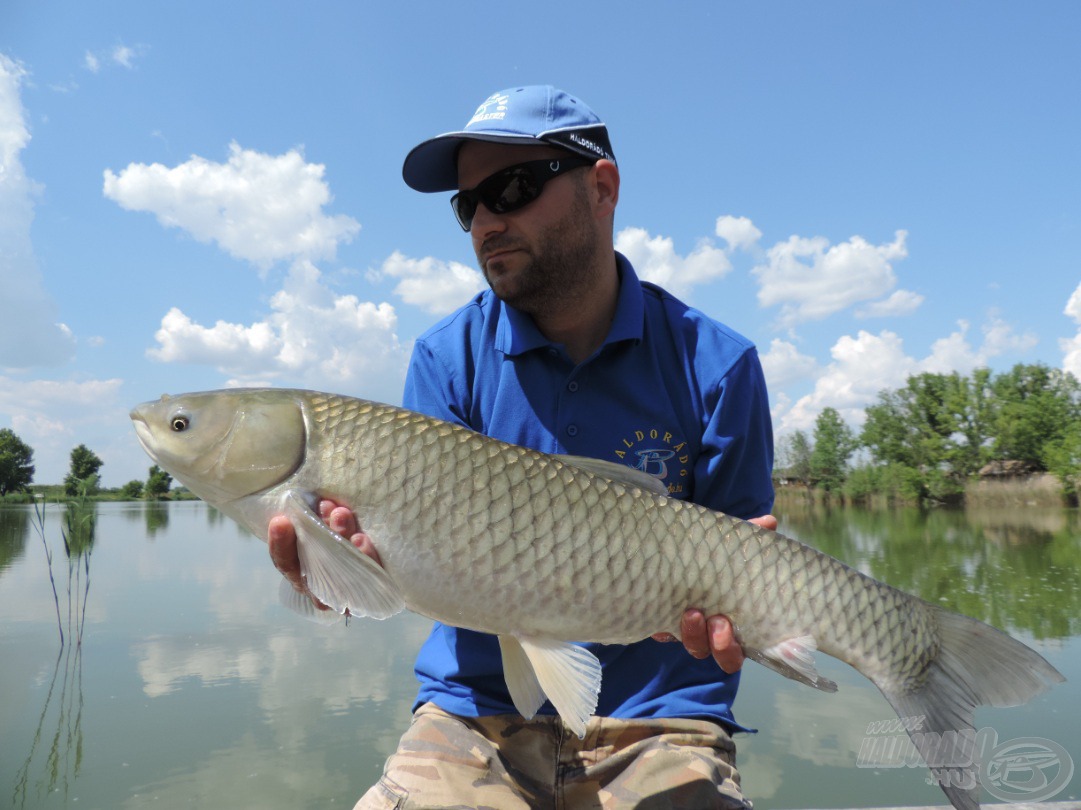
207 194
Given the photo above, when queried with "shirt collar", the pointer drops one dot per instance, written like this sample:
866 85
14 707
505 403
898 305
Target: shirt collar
517 334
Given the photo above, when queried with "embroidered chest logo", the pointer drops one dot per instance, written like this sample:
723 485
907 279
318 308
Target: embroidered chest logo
660 454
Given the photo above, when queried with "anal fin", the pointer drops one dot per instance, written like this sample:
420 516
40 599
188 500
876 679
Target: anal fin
793 658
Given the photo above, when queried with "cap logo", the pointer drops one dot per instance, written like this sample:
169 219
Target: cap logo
493 109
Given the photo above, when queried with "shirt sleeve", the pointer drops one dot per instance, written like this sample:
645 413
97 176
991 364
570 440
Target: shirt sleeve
733 473
433 389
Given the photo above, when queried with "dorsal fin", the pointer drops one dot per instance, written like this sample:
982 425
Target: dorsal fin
617 472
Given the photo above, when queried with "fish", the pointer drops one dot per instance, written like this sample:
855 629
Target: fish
544 550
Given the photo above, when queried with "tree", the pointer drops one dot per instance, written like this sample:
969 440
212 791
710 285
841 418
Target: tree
83 478
1035 407
16 463
132 490
158 482
794 457
834 444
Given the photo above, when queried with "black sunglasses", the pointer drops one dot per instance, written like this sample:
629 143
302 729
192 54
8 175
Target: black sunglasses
512 188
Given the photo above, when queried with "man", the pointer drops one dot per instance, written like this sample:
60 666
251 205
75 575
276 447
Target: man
569 352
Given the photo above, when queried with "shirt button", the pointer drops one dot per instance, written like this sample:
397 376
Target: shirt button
572 430
572 386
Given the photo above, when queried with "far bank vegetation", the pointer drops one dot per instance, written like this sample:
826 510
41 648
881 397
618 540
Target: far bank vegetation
1012 438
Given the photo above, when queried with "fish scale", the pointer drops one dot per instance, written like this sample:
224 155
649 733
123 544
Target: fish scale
543 551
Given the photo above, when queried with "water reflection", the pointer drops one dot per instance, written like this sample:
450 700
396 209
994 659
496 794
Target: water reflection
188 648
1019 570
67 540
14 534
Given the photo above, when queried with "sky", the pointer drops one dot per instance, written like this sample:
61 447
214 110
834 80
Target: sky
201 195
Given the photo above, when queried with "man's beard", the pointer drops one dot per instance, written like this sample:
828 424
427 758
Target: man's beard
562 263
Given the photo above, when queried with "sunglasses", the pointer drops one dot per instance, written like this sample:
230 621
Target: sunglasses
511 188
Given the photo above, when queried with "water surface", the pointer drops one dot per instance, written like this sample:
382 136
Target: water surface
183 683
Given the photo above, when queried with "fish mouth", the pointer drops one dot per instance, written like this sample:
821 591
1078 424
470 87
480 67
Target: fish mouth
142 432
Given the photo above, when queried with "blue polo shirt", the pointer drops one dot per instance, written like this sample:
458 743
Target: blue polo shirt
671 392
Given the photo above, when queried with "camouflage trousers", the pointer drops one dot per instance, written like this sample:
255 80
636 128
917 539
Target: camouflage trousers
505 762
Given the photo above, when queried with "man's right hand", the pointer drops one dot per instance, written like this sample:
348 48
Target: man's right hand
282 542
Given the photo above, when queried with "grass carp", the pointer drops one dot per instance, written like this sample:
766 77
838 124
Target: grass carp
541 550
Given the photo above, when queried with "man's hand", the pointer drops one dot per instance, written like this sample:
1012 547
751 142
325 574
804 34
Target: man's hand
282 542
713 636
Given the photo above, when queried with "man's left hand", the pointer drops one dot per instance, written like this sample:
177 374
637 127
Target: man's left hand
713 636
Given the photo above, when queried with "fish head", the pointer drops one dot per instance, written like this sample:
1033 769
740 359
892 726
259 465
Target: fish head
224 445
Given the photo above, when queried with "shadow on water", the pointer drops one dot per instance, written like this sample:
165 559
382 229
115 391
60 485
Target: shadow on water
59 734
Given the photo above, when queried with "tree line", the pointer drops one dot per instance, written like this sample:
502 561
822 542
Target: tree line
84 473
923 442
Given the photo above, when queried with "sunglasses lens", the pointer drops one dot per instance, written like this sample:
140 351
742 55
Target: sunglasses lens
510 190
464 204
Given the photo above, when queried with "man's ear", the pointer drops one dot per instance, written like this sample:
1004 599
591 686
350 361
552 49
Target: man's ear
606 182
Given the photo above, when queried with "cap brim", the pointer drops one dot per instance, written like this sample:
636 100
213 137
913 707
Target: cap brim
433 164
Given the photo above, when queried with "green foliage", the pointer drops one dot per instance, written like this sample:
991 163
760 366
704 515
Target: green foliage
926 439
16 463
834 444
132 490
82 478
158 482
1036 410
793 457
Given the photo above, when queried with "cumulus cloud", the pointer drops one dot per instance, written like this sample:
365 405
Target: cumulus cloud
739 232
783 364
311 335
1071 347
435 286
53 416
866 364
257 207
901 302
655 259
811 279
30 334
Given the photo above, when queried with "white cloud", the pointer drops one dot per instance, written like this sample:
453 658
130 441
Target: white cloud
435 286
121 55
54 416
901 302
739 232
1071 347
258 207
29 332
312 336
862 366
810 279
783 364
655 259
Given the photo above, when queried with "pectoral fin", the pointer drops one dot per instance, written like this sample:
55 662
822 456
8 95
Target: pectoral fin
569 675
338 573
793 658
301 604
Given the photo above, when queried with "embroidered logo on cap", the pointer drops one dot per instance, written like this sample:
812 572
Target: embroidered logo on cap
486 113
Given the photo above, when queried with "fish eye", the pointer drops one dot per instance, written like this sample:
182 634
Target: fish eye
179 423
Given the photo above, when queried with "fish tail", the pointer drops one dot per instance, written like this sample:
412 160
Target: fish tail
976 665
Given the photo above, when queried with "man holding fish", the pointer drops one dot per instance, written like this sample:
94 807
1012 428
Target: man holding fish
570 353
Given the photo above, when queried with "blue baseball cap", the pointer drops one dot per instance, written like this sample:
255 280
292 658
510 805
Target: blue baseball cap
538 114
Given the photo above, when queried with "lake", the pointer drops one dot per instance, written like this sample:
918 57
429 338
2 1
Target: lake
182 682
